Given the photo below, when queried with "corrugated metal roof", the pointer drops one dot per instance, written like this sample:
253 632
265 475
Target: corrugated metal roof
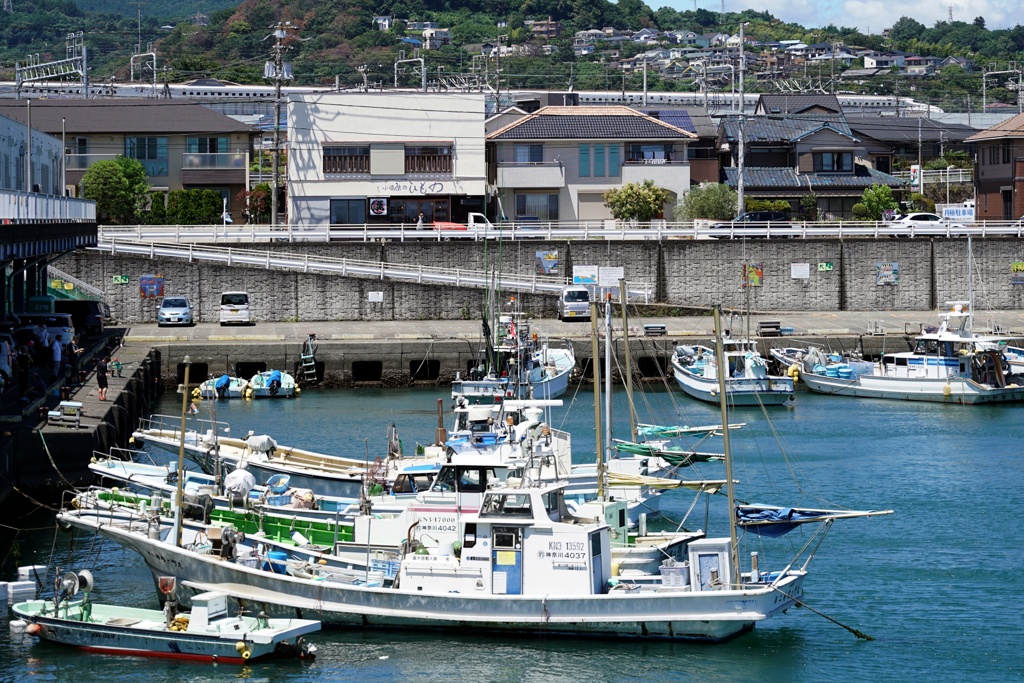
589 123
789 179
123 115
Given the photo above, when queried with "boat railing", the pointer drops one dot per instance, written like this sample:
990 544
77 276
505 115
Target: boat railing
126 454
172 423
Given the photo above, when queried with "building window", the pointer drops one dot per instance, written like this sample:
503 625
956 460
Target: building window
614 161
833 162
428 160
529 154
152 152
79 145
584 161
1006 152
346 160
542 205
650 154
598 161
217 145
348 211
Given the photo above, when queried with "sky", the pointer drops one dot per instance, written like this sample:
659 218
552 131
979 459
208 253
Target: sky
870 16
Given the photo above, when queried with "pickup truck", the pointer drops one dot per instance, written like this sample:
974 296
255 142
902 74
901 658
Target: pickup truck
475 220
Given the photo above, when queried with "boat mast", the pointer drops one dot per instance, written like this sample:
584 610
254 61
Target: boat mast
734 551
629 368
179 497
595 366
970 290
608 376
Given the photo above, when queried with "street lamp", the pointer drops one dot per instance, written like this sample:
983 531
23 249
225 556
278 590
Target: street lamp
181 456
948 169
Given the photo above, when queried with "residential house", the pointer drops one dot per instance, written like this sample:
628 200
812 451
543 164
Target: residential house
687 38
420 25
785 105
883 60
897 142
17 146
385 158
588 37
557 163
435 38
183 145
701 152
999 172
962 62
788 157
583 50
646 35
546 30
384 23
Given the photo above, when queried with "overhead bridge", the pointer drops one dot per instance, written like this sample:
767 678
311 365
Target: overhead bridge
345 267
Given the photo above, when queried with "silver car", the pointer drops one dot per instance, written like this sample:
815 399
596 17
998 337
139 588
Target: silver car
174 310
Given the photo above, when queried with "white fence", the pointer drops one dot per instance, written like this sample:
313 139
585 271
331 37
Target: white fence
32 207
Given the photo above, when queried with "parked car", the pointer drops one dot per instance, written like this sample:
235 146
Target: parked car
574 303
57 325
921 219
174 310
234 308
751 219
87 315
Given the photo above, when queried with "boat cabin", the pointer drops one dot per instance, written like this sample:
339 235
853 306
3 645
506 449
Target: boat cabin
523 541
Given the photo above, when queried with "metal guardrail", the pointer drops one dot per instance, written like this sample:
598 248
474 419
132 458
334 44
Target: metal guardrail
184 234
56 273
32 207
420 274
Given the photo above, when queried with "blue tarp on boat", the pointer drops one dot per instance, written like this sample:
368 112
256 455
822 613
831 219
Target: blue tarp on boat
775 522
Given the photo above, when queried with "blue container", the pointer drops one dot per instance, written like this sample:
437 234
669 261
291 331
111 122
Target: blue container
278 483
276 562
845 373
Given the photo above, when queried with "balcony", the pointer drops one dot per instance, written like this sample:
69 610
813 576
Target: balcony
541 175
228 168
429 164
81 162
671 175
348 164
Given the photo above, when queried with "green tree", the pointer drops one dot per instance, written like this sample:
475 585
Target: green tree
637 201
877 199
118 186
194 207
713 201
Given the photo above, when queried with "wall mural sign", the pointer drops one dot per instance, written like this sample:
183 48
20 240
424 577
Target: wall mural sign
151 286
584 275
887 273
378 206
547 262
753 275
415 187
1017 273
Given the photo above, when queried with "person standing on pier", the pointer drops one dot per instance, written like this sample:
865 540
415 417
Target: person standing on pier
101 376
58 361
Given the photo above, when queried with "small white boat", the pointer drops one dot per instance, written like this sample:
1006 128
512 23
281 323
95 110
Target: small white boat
272 384
747 382
208 633
224 386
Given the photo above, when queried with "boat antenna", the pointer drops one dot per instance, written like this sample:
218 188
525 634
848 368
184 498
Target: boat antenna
629 368
734 551
970 289
179 498
595 366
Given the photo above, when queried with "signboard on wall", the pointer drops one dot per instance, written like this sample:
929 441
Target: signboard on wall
887 273
1017 273
584 275
151 286
753 275
378 206
800 271
609 276
547 262
375 297
120 279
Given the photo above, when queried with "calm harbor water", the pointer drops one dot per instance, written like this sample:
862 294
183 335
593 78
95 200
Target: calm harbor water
935 584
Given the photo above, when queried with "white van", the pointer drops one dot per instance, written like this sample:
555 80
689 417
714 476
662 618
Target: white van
234 308
574 303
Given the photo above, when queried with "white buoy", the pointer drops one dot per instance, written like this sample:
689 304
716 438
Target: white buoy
18 626
642 523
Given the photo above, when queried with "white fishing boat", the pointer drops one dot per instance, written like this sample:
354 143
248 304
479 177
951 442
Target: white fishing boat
207 633
272 384
747 382
518 365
224 386
951 364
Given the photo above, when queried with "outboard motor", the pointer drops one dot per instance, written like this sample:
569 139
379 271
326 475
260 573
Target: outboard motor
274 382
221 385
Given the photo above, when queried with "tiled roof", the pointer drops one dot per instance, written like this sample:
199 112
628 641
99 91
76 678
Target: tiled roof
122 115
788 129
903 129
590 123
1010 128
795 104
788 179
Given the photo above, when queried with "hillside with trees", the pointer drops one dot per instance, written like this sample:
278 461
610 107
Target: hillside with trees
338 39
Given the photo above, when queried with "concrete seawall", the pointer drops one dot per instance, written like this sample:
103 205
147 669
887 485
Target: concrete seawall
842 276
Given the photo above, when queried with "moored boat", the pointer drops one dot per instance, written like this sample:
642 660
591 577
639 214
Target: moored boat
224 386
747 382
207 633
272 384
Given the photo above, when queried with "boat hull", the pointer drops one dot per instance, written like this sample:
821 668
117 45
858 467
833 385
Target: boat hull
768 391
683 615
958 391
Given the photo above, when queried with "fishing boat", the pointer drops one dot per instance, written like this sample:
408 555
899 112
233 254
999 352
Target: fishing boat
224 386
207 633
747 382
517 365
950 364
272 384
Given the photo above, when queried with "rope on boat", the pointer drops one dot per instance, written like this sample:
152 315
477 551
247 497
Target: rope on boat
801 603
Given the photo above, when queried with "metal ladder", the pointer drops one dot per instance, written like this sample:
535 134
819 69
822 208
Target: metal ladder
308 359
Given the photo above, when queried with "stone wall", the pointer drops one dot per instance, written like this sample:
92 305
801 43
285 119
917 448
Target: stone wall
684 273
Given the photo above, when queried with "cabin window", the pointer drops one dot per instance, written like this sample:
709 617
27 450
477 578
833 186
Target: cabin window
469 481
445 480
403 484
595 545
507 505
469 535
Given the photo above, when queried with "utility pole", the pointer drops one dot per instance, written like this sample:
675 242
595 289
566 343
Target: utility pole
741 151
277 70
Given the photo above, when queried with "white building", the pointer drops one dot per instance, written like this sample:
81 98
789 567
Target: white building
46 153
385 158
